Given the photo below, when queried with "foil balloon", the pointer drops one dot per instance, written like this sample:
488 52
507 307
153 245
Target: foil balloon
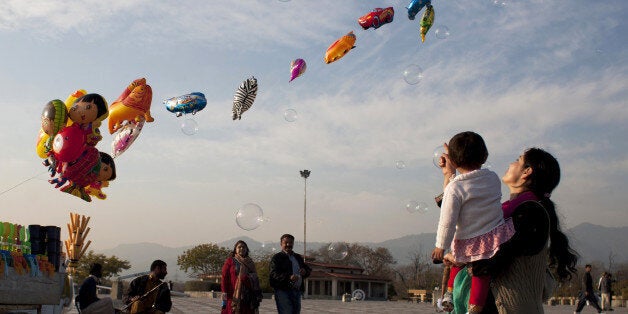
73 97
68 144
125 136
189 103
132 105
426 21
244 97
415 6
53 118
340 47
377 18
297 68
87 112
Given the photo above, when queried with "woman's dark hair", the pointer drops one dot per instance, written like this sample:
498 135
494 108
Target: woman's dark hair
233 253
543 180
467 150
106 159
98 100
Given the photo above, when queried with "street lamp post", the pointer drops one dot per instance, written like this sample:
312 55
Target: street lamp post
305 174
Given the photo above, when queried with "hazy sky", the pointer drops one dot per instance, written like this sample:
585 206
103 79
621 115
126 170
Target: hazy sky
552 74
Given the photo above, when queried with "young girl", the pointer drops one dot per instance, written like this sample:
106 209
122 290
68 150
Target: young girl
471 220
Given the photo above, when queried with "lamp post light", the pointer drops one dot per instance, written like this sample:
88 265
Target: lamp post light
305 174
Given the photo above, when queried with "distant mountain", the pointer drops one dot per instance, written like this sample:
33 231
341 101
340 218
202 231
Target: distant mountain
594 244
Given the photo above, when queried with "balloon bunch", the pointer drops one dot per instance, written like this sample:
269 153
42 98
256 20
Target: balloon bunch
70 132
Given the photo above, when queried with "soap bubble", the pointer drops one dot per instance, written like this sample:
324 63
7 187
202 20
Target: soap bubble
411 206
250 216
413 74
436 155
189 127
290 115
500 3
422 208
416 207
442 32
400 164
338 251
487 165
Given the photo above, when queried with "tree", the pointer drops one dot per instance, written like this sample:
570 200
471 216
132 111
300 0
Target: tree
203 259
111 265
376 262
262 265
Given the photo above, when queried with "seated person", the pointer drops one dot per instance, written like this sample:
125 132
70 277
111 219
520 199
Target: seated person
87 298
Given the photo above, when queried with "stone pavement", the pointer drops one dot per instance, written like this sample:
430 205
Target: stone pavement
203 305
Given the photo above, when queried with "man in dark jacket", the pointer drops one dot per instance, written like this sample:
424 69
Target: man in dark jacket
87 297
287 274
587 292
148 293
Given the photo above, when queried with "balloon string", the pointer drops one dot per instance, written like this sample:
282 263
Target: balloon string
31 178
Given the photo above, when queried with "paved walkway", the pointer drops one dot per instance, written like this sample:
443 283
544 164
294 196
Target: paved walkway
202 305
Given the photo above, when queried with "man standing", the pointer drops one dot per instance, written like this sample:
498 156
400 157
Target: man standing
287 274
587 291
605 290
148 293
87 298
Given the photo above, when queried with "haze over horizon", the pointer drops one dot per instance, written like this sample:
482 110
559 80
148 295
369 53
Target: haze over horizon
550 74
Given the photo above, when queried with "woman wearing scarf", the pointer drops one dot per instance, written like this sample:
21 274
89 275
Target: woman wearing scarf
240 285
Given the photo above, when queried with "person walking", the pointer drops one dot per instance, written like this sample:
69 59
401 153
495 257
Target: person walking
587 292
287 273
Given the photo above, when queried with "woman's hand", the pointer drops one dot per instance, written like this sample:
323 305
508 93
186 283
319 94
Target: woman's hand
437 254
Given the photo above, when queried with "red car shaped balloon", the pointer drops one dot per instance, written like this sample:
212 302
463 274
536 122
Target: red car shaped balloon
377 18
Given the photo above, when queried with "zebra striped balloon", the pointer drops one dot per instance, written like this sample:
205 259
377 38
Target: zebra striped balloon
244 97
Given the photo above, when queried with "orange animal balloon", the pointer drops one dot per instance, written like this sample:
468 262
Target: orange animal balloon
133 104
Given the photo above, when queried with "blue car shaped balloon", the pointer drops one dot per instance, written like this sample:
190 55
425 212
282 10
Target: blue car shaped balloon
415 6
188 103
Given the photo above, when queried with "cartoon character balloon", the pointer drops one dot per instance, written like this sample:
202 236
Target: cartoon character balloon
244 97
297 68
426 21
87 112
53 118
415 6
125 136
188 103
340 48
132 105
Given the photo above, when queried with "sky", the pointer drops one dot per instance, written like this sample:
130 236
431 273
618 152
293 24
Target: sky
540 73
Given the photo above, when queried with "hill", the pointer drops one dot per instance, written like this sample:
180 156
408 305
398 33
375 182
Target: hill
594 244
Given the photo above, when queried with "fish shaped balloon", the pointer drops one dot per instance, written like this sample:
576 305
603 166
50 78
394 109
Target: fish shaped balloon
426 21
297 68
340 47
125 136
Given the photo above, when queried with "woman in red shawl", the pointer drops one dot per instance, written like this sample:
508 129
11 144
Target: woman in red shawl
240 284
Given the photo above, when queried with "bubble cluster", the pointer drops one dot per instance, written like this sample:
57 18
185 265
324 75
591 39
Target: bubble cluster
400 164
